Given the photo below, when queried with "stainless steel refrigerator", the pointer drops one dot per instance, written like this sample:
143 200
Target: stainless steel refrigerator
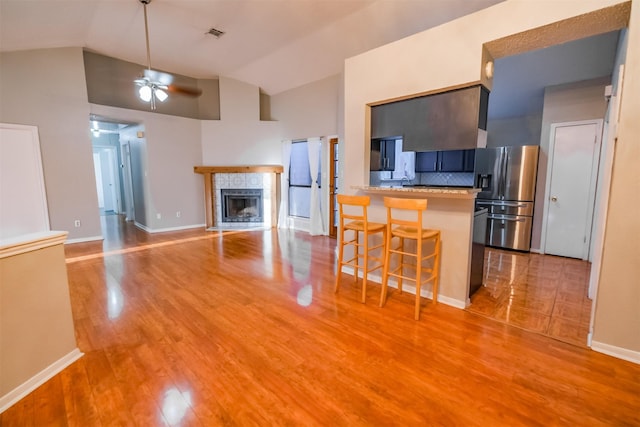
507 179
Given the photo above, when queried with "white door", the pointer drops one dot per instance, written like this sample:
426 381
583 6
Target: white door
574 152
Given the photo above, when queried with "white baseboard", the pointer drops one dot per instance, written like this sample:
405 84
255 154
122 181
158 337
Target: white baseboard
376 277
536 251
163 230
38 379
619 352
84 239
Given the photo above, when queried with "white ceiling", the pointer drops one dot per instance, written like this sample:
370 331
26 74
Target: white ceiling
282 44
273 44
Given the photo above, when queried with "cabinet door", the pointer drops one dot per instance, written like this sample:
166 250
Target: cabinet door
426 161
375 159
451 160
469 160
389 154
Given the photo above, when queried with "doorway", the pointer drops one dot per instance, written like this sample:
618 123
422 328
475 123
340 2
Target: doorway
105 163
333 187
574 153
113 165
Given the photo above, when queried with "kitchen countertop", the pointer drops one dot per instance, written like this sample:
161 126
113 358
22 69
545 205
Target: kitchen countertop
444 192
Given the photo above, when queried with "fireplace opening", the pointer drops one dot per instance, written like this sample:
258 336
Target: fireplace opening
241 205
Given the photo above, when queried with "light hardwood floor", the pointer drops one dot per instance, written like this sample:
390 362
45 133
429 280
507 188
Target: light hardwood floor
243 328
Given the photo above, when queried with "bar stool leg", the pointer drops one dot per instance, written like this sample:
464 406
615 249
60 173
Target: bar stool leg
385 267
418 276
340 260
401 263
436 268
365 263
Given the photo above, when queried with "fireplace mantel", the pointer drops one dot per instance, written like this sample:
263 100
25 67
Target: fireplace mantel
209 173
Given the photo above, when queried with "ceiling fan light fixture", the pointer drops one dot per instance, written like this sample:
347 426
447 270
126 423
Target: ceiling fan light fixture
161 95
145 93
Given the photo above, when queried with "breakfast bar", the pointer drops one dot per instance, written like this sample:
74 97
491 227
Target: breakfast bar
451 210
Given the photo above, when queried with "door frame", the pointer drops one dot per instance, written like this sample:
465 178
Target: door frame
593 184
113 170
333 184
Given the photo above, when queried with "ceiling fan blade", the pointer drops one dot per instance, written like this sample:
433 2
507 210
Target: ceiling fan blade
158 77
183 90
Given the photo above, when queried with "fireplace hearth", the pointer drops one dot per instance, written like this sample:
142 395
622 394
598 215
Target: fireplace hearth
241 205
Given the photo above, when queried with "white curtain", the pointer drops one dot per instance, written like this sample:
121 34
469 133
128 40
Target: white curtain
314 146
283 214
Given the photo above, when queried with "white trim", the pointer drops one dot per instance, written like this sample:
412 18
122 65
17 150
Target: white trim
377 278
592 183
162 230
30 242
31 185
619 352
299 223
84 239
38 379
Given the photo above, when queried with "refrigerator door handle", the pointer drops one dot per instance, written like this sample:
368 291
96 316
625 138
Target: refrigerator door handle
501 218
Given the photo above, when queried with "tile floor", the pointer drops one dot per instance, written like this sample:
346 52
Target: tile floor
541 293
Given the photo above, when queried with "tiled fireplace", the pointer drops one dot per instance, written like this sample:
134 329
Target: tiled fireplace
241 205
247 180
242 199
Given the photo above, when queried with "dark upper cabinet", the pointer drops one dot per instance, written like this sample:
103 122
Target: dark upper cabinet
451 160
427 161
469 160
445 161
383 154
442 121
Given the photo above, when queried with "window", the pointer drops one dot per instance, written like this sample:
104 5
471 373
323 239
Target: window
300 180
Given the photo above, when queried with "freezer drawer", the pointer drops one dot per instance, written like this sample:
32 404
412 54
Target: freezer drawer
506 207
509 231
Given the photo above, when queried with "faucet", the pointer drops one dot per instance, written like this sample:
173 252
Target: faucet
403 179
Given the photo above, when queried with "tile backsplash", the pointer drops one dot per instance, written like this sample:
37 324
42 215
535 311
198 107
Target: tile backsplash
449 179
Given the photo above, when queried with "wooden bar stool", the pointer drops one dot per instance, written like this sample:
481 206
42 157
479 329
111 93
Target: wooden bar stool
413 230
353 209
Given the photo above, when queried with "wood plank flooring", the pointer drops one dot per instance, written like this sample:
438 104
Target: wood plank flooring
243 328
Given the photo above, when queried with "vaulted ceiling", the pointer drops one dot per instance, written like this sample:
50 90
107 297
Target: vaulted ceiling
273 44
282 44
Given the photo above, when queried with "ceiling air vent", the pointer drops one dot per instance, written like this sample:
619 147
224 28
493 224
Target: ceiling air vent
214 32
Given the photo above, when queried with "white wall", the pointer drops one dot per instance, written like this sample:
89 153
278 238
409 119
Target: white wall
239 137
46 88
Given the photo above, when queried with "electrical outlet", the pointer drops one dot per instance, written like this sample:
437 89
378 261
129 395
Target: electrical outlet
178 214
76 223
158 216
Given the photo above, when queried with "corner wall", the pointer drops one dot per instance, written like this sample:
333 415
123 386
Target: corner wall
617 315
46 88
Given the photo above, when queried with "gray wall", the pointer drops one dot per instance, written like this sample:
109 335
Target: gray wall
310 110
110 81
46 88
523 130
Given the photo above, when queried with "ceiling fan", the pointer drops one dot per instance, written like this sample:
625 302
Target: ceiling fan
155 85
